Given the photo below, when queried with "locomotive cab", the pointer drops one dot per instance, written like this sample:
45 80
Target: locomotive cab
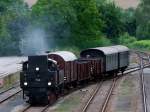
38 79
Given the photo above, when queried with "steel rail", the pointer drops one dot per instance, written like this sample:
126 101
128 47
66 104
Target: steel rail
143 88
7 98
27 108
46 107
40 110
132 68
108 96
92 97
10 88
135 69
113 86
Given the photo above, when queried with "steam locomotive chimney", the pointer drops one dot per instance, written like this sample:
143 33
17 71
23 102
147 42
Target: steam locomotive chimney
47 52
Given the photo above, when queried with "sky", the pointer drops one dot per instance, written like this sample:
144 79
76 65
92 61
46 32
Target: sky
121 3
31 2
125 4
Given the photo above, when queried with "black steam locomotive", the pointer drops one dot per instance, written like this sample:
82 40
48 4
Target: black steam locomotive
44 77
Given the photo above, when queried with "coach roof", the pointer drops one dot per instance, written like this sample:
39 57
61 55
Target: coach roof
65 55
121 48
105 50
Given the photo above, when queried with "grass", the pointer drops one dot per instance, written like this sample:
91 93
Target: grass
125 96
68 104
126 87
9 81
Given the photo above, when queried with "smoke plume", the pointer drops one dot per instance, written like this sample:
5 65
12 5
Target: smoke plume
34 42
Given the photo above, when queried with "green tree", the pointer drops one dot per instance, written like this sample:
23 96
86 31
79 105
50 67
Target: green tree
72 22
143 20
12 23
54 16
129 20
112 16
87 28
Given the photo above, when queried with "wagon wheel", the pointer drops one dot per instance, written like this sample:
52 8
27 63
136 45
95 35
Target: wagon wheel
52 97
122 70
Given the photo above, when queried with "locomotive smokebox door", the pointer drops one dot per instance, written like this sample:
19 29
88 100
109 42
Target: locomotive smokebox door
38 63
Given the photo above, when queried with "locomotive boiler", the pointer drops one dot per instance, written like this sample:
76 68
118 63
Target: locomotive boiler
38 79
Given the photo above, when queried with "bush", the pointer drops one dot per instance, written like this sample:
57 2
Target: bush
126 39
142 44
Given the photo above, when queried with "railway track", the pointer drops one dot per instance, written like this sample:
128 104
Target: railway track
143 56
100 86
142 82
143 91
92 96
9 94
10 88
105 104
35 109
111 89
143 88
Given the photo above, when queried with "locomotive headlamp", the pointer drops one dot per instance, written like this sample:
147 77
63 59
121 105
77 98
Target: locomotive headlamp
37 68
25 83
49 83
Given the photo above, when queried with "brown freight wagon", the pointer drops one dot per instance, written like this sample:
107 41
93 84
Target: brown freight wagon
82 68
95 66
65 63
